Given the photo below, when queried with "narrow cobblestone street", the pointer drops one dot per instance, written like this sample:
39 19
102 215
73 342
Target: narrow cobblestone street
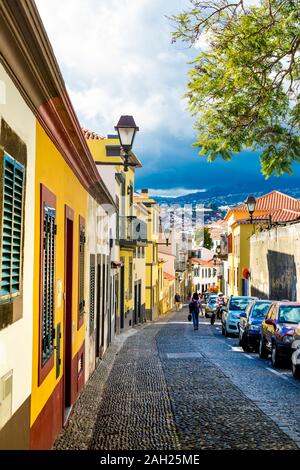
173 388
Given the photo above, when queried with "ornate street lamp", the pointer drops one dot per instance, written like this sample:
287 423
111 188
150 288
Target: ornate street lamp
127 130
167 234
251 204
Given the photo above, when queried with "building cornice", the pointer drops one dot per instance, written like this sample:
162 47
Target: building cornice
28 57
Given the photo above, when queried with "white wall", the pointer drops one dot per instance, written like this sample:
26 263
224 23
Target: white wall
203 279
16 339
275 263
169 266
97 242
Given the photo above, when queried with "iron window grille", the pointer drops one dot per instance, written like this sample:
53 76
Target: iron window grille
81 270
48 281
92 293
130 291
12 222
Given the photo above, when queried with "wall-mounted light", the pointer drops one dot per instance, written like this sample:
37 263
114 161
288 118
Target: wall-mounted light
251 204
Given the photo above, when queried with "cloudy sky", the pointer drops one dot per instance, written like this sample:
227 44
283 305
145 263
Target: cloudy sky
117 58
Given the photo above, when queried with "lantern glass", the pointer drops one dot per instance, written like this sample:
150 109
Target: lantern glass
126 136
167 233
126 129
251 203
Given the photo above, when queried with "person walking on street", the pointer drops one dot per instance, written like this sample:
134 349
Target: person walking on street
201 307
177 301
195 310
220 303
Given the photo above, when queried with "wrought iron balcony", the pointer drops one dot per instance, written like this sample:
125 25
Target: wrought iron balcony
132 231
180 266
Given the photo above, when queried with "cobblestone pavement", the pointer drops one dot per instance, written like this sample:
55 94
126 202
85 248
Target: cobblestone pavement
274 391
171 387
78 432
211 411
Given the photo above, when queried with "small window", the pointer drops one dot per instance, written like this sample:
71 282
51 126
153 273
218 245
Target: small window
81 262
118 219
92 293
47 281
130 278
230 243
11 234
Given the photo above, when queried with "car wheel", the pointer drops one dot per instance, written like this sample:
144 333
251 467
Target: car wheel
263 353
275 357
244 344
296 371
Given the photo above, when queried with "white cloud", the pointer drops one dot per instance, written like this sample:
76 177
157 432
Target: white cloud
174 192
117 58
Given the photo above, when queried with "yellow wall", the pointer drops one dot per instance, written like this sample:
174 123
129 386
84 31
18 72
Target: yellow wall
98 149
56 175
127 255
169 293
241 259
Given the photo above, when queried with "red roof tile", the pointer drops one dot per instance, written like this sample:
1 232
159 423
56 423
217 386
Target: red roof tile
90 135
281 215
285 215
169 277
203 262
271 201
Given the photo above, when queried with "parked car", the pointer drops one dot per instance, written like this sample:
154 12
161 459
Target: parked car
277 331
296 353
211 305
231 315
207 295
250 324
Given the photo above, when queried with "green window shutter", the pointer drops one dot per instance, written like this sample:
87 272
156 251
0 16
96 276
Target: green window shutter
12 222
49 239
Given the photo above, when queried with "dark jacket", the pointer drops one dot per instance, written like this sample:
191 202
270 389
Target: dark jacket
194 306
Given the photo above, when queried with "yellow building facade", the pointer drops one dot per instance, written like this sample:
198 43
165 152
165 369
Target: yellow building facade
153 290
61 203
49 178
128 232
269 208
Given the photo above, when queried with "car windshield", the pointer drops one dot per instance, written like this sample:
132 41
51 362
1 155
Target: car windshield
259 310
239 304
289 314
212 300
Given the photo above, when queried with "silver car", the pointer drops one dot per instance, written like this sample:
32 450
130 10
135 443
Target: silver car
211 306
231 317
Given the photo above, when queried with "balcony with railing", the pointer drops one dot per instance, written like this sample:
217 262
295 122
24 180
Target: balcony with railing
132 231
180 266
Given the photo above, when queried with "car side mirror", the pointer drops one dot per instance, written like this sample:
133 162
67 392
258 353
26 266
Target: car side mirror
270 322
